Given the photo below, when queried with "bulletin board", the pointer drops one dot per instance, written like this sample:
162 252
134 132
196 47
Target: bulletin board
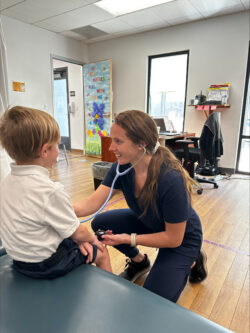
98 104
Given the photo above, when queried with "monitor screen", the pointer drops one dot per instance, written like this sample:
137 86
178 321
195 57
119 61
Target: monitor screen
160 123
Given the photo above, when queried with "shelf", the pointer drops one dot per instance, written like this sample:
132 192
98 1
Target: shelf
209 109
217 106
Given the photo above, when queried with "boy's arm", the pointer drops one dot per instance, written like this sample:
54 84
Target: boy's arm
60 215
91 204
83 235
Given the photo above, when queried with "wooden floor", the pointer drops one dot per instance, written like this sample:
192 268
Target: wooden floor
224 296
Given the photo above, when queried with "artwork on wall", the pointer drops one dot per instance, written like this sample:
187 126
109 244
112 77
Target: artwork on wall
98 104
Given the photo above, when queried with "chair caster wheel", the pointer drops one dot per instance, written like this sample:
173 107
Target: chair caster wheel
216 185
200 191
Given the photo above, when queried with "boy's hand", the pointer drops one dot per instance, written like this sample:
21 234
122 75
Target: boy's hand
87 250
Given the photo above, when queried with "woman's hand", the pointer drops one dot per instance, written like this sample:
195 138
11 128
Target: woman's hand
98 244
110 239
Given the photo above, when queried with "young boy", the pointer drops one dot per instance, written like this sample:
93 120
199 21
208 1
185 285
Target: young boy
39 228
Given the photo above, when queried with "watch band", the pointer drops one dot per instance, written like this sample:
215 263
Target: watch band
133 239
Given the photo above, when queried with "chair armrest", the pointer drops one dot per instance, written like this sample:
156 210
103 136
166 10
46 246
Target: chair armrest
195 140
185 142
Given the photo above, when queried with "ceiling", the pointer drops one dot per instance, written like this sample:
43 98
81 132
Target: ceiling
83 20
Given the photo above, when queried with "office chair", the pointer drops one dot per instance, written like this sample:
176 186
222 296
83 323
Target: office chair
189 156
205 150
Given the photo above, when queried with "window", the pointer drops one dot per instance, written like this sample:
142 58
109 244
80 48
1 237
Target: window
167 85
243 158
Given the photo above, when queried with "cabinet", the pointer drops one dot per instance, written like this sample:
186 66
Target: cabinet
107 155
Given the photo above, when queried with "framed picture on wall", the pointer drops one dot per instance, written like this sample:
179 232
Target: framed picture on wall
98 104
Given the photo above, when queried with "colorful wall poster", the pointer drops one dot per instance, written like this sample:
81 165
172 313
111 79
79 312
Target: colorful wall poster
98 104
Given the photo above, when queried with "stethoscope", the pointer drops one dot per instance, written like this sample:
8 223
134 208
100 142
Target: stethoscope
118 174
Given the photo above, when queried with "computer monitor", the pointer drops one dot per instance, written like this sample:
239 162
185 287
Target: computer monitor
164 123
160 123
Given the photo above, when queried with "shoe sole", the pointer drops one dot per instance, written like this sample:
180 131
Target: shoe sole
139 274
204 263
204 266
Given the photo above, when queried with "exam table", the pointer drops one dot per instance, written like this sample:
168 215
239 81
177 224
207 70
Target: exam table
89 300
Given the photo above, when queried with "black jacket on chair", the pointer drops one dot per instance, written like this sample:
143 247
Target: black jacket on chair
211 141
207 148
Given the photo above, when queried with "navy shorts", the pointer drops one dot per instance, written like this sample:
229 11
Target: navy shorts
67 257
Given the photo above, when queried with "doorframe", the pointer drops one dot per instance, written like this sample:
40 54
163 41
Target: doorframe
241 136
72 61
65 70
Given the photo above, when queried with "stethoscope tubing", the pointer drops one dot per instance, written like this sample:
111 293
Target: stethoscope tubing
118 174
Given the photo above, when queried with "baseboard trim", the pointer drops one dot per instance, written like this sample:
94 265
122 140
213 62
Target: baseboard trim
77 151
226 170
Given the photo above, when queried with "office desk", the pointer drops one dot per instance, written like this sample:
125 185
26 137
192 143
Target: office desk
170 140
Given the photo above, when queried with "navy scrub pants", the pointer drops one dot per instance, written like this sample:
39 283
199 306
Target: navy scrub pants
170 271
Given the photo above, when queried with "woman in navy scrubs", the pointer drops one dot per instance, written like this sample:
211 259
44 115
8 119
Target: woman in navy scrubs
158 193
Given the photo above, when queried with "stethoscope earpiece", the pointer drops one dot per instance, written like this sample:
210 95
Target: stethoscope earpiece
144 149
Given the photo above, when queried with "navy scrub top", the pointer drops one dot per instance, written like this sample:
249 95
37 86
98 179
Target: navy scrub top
172 202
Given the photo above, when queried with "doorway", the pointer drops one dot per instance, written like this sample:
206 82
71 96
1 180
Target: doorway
61 100
243 158
67 77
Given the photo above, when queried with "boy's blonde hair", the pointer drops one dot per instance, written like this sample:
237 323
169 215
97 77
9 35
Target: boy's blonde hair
23 132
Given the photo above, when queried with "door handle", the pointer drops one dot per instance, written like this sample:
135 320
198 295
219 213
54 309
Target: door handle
72 108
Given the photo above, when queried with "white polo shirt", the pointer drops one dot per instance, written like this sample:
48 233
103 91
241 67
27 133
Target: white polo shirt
35 214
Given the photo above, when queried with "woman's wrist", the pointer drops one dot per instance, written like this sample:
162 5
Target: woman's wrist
133 240
127 239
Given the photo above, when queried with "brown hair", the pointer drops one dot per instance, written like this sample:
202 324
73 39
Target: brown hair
141 128
23 132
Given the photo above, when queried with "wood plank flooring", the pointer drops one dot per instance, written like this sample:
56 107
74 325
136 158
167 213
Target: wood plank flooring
224 296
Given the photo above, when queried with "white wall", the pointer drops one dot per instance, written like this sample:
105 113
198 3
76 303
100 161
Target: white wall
28 52
218 53
75 83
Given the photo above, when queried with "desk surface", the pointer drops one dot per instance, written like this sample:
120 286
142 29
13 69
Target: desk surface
170 140
177 136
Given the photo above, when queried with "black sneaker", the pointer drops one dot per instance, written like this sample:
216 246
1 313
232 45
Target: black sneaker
199 271
134 270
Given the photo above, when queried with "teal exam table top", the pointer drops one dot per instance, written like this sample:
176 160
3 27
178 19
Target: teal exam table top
89 300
